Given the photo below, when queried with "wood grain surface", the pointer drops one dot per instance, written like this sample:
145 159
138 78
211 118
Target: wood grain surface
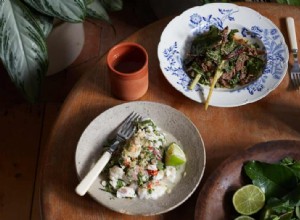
224 130
25 127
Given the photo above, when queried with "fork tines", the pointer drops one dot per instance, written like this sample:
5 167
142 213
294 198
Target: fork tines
127 126
295 71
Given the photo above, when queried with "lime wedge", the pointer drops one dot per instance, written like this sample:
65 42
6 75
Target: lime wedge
248 200
174 155
244 217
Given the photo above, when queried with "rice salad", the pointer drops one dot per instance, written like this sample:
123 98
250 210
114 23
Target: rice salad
138 169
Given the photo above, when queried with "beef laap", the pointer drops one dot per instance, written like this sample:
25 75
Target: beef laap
241 61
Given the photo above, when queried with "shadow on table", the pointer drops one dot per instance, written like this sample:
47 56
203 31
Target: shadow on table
287 114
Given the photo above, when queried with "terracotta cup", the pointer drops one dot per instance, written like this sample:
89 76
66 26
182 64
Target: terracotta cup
128 70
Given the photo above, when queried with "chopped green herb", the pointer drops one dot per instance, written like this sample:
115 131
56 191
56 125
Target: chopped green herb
134 169
243 62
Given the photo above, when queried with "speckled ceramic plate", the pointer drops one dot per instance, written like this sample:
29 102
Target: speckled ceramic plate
179 33
171 121
215 198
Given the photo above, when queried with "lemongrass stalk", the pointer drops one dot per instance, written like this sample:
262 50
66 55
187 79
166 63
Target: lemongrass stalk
217 75
195 81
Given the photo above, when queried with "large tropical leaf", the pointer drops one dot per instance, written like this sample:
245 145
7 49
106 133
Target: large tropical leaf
96 10
112 5
44 21
22 47
89 1
67 10
289 2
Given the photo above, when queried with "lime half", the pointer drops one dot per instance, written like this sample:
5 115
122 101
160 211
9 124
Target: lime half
174 155
248 199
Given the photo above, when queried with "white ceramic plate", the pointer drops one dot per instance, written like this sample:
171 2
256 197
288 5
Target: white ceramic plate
170 121
177 37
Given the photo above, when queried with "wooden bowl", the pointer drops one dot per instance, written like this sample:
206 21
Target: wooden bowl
215 199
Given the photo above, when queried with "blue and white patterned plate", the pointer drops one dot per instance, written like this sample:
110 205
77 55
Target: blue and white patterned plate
178 34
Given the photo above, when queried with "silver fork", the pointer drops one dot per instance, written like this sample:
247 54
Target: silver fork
124 132
295 71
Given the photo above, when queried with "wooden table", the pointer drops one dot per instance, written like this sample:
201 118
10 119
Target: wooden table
224 130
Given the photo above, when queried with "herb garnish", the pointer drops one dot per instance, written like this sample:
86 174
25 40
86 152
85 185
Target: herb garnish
218 59
281 184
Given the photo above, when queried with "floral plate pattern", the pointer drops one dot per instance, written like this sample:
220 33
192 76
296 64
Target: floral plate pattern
178 34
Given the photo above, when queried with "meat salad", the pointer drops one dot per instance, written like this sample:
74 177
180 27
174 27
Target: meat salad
239 61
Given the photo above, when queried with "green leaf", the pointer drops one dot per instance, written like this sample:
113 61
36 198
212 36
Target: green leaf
293 165
283 207
293 197
289 2
22 47
274 179
89 1
66 10
202 42
287 161
44 21
112 5
277 207
96 10
296 169
297 210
